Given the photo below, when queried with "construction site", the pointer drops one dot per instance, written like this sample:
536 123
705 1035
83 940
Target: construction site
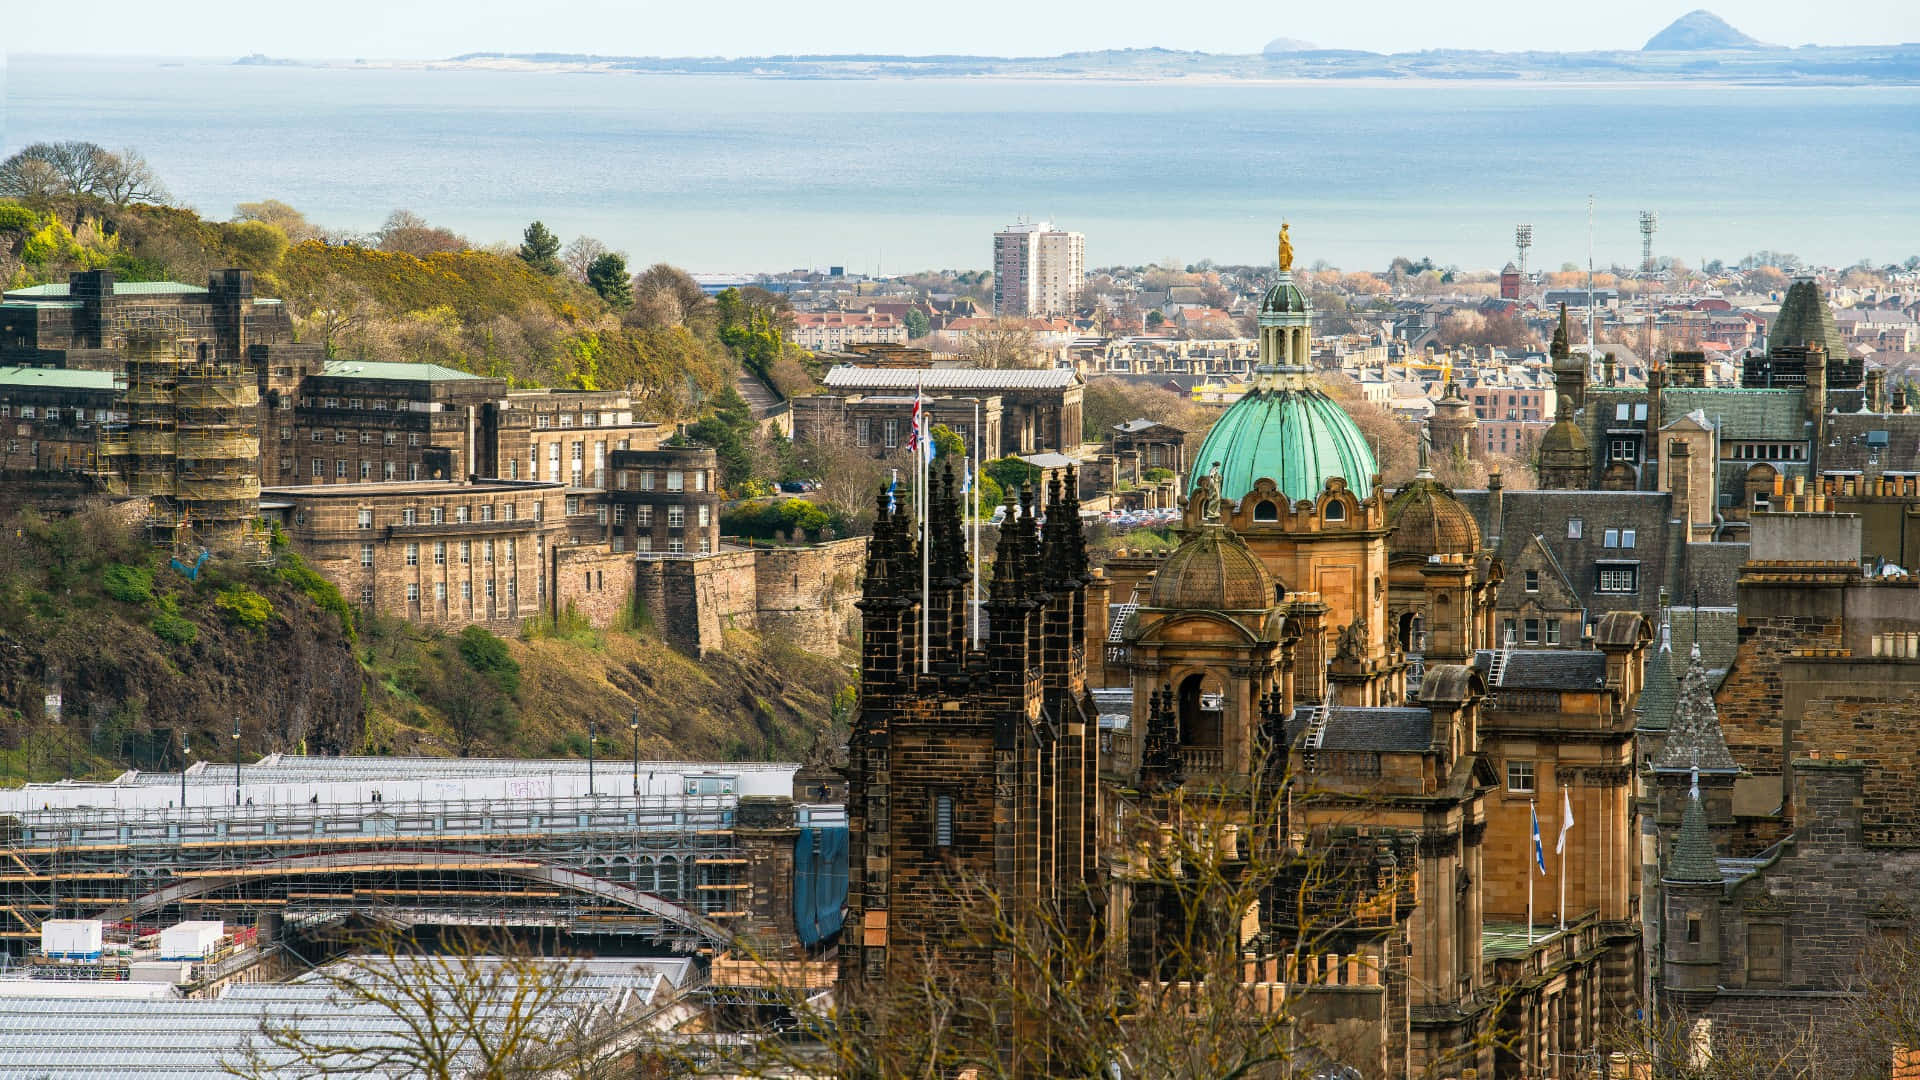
191 442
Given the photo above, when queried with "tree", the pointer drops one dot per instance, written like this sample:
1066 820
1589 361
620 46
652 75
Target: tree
540 249
918 325
666 296
487 1009
66 175
579 256
1002 343
607 275
292 223
729 429
849 478
407 232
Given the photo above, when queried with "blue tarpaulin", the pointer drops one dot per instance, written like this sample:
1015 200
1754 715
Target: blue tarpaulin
819 881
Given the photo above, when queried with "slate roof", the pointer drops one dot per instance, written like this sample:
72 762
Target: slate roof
1694 739
1693 861
1547 669
1718 638
849 377
1658 689
1362 728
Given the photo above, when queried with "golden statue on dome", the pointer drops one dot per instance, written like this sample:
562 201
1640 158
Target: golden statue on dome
1286 249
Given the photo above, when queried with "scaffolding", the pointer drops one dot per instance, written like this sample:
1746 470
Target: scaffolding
191 442
574 863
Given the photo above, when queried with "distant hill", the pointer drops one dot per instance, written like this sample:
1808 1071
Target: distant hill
1288 45
1698 31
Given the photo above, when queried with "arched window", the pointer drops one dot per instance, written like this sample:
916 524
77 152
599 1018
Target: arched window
1264 510
1202 703
1336 510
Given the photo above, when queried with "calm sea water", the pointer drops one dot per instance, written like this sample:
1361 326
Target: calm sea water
740 174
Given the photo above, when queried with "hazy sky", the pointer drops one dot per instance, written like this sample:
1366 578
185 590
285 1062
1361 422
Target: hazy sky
438 28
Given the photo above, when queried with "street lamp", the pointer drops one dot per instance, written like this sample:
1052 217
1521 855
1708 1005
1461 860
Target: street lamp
236 761
634 724
593 735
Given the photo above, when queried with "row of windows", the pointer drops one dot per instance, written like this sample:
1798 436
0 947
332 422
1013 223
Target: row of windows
1531 632
52 412
643 516
464 549
544 421
670 479
1770 452
643 545
1613 538
462 514
440 593
389 470
365 438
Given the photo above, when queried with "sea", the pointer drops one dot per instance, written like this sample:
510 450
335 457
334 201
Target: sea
725 174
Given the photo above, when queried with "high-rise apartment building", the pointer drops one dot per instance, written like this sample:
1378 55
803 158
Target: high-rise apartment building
1037 269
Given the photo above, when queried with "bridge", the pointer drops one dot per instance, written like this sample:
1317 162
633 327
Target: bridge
617 848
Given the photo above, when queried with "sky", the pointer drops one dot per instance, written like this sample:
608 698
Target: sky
427 29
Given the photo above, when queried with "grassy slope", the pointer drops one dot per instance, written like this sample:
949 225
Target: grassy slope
758 700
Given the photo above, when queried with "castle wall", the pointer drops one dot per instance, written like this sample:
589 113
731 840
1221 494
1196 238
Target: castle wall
692 601
597 583
806 595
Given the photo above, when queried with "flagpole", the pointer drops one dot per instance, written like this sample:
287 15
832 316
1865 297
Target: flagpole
1566 826
926 529
1533 843
973 483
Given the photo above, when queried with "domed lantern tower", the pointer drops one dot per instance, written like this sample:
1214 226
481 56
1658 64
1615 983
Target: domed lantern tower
1293 476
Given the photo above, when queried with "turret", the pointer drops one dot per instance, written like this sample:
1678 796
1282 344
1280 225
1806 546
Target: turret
1690 960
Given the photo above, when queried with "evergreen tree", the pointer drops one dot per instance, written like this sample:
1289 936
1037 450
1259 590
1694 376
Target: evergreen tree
540 249
729 429
608 276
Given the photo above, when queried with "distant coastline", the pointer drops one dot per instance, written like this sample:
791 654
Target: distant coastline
1806 66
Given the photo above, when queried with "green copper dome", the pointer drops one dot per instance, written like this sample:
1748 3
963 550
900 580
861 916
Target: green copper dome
1288 431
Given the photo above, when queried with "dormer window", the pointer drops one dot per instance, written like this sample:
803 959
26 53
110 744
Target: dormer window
1265 510
1336 511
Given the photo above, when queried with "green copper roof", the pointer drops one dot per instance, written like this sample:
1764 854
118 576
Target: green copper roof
56 378
1285 298
1290 432
388 369
60 290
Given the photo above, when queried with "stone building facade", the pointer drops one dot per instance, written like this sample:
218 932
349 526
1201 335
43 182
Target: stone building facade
1039 409
50 419
663 502
432 552
881 424
1782 800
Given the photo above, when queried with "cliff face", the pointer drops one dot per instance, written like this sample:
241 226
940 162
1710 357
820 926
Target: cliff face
140 654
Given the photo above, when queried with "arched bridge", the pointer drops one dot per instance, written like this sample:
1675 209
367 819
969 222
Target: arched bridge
666 867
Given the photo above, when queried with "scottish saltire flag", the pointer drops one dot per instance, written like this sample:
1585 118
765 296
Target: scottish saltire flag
966 479
892 486
1539 853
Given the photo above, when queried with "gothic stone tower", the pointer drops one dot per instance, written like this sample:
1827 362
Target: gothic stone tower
975 775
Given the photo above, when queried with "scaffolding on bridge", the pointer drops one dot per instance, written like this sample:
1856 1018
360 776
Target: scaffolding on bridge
467 861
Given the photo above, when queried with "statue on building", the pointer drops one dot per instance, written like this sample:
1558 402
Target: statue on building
1352 644
1208 490
1426 449
1286 249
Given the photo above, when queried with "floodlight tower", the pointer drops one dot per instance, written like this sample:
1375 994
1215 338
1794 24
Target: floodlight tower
1522 241
1649 224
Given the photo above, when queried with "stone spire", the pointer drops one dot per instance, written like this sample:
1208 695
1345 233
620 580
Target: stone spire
1693 861
1559 349
1657 695
1695 741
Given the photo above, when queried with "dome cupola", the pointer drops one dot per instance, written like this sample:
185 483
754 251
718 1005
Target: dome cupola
1289 431
1212 570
